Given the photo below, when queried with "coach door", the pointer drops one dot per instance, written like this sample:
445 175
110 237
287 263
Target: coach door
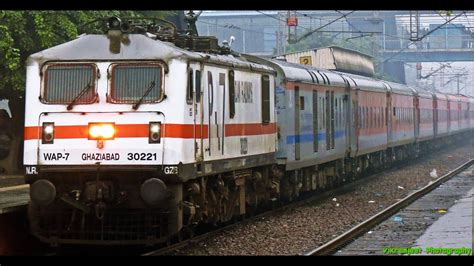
388 113
356 122
345 112
297 123
416 115
435 115
330 143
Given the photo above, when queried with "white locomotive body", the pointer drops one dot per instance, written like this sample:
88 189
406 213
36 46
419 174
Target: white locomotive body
106 130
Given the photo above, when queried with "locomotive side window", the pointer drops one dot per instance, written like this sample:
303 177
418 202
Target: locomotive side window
198 86
64 83
134 81
231 94
190 88
265 99
210 93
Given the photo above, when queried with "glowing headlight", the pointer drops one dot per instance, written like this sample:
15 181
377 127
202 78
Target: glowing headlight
101 131
155 132
48 133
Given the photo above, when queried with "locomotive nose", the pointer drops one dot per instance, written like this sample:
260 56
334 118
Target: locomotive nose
43 192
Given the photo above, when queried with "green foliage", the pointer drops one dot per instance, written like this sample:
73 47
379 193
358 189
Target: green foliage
23 33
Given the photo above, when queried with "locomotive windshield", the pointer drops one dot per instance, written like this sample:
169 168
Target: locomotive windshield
64 83
133 83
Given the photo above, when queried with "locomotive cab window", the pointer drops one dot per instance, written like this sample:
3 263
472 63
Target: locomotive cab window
64 83
132 82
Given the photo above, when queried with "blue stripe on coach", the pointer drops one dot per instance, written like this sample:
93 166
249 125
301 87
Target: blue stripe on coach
292 139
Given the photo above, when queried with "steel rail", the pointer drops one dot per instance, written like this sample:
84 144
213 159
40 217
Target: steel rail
350 235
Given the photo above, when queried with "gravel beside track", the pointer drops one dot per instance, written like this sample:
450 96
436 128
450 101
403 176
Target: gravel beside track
296 231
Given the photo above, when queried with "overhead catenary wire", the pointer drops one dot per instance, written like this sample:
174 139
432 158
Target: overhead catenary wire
319 28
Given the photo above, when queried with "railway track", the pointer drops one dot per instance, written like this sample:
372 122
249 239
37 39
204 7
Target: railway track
313 199
350 235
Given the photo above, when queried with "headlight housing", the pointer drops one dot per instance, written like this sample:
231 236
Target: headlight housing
154 132
48 133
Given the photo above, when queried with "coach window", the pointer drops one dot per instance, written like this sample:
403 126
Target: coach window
377 117
379 113
67 82
363 118
379 122
231 94
371 117
189 92
370 120
321 112
382 113
367 122
265 99
366 117
383 116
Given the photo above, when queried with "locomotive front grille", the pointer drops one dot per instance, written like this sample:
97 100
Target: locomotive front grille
116 227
